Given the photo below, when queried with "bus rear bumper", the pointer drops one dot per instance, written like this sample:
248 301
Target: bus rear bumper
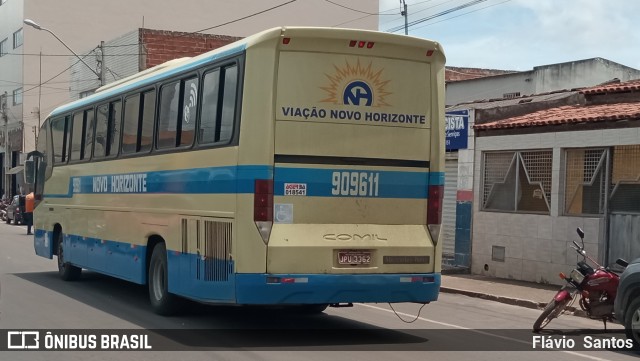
271 289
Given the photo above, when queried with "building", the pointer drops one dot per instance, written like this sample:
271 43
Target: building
548 164
542 79
460 136
139 50
34 66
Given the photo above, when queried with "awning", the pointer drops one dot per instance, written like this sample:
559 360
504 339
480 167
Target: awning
16 170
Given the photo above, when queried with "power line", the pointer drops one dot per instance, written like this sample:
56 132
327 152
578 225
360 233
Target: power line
356 10
453 17
418 11
442 13
216 26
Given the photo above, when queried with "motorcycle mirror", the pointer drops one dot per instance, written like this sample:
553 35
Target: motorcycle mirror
580 232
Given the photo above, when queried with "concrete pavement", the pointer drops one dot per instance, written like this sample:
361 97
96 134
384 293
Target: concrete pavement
520 293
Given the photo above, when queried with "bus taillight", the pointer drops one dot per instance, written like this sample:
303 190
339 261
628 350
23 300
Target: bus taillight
263 207
361 44
434 210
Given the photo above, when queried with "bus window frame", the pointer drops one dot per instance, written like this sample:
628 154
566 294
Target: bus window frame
139 93
234 140
107 103
83 111
181 79
237 59
66 142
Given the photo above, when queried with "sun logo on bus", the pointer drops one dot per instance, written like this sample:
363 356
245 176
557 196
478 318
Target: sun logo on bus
356 85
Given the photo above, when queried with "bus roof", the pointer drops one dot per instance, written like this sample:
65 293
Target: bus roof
173 67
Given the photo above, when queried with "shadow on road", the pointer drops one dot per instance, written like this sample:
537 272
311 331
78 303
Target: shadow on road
220 326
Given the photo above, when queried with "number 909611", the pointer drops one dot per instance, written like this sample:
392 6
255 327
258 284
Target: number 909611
355 184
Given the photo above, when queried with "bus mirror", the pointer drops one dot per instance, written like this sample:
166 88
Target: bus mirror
29 171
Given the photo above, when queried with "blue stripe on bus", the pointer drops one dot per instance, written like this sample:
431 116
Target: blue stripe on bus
212 180
436 178
335 288
166 74
241 179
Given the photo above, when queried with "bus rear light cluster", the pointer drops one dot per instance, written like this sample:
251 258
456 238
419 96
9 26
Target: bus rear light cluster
429 52
263 207
434 210
361 44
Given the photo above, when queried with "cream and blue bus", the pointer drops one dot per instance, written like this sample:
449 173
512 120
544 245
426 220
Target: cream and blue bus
299 167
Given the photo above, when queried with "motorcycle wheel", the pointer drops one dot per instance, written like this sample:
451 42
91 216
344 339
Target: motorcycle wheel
551 311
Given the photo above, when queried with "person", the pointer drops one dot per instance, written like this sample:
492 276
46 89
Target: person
28 209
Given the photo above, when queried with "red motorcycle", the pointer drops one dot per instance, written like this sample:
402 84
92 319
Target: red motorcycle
597 288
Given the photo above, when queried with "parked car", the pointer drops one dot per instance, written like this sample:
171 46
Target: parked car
15 210
627 304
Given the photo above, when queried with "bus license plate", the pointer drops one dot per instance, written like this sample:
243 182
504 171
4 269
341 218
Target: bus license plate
354 257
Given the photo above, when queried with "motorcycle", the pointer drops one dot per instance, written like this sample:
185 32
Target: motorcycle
3 210
596 288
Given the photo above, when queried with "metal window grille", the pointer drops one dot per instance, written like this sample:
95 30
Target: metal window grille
585 189
625 179
496 167
517 181
217 251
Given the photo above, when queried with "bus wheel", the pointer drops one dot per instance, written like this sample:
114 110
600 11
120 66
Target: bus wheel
67 271
162 302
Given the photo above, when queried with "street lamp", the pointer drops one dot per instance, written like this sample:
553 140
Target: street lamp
37 26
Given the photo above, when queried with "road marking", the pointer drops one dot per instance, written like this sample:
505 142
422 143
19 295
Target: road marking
479 332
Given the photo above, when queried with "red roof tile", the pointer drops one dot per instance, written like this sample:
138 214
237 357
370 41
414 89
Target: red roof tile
569 114
633 85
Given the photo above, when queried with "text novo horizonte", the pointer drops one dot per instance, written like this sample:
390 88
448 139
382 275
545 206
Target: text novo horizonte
121 183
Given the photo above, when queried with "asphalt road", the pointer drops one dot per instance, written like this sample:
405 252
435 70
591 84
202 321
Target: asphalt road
453 328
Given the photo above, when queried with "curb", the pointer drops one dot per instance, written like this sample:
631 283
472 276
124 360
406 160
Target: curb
509 300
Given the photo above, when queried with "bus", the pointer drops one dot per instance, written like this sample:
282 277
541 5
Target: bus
300 167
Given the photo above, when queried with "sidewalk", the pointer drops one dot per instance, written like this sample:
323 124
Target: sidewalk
519 293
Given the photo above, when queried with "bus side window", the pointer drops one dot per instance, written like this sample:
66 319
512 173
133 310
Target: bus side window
148 119
89 126
102 125
130 131
230 87
209 114
60 137
168 117
218 105
189 110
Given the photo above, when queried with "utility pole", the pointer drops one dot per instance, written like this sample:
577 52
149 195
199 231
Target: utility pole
101 64
403 12
7 152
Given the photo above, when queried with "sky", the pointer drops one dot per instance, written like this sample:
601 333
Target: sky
522 34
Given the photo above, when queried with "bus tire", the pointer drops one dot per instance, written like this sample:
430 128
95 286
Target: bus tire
162 302
66 270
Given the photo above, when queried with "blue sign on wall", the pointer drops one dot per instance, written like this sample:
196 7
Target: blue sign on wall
457 129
